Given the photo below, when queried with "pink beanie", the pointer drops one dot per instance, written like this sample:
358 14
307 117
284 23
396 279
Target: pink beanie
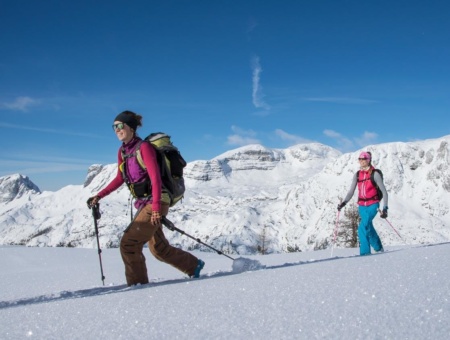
365 155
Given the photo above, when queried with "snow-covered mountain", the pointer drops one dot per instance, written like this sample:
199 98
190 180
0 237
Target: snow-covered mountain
286 197
15 186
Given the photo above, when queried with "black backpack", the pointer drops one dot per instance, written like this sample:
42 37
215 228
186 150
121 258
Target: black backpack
379 195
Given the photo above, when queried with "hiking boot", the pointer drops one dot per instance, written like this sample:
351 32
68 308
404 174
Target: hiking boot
198 269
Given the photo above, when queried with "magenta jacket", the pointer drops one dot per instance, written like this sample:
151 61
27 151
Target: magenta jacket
137 174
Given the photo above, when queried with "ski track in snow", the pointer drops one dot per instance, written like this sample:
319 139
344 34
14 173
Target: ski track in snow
54 293
240 265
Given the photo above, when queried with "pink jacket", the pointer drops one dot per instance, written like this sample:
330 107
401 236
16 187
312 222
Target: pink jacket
367 192
137 174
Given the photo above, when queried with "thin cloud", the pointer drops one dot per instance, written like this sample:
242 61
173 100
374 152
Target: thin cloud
42 166
242 137
251 25
48 168
331 134
20 104
367 138
341 100
346 144
291 139
60 132
257 94
26 158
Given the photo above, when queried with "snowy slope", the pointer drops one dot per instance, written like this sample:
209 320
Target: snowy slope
55 293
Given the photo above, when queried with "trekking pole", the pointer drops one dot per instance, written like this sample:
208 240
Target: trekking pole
335 232
172 227
401 238
96 215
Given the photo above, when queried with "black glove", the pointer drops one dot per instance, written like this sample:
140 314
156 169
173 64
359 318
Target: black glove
92 201
341 205
384 213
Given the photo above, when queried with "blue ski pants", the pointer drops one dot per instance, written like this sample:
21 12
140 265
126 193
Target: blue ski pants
367 234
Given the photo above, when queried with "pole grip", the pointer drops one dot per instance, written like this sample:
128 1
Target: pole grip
96 211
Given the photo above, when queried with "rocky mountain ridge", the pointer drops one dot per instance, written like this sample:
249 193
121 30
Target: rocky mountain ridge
287 197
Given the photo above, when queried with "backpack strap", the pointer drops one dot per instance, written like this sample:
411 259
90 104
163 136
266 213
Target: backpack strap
123 167
360 180
139 156
372 177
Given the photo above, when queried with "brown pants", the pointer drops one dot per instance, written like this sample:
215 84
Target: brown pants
141 231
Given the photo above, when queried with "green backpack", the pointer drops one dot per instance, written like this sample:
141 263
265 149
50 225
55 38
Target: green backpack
171 165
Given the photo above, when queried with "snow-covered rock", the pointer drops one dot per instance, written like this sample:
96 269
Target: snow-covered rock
16 186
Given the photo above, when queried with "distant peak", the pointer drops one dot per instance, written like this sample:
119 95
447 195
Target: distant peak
15 186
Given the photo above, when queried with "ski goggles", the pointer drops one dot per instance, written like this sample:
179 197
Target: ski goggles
118 126
362 159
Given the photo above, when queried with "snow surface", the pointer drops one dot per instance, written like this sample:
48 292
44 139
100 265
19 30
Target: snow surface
55 293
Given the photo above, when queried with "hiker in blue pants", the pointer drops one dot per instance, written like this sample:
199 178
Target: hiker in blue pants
371 191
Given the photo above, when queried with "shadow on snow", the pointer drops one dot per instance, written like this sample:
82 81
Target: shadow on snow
98 291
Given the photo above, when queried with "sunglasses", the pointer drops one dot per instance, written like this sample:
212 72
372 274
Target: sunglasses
118 126
362 159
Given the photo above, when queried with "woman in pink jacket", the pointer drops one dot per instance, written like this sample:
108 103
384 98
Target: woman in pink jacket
368 203
145 185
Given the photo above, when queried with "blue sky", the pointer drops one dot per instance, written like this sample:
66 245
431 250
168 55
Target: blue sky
216 75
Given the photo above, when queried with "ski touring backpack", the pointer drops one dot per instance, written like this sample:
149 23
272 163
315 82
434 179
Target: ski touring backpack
379 195
171 165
